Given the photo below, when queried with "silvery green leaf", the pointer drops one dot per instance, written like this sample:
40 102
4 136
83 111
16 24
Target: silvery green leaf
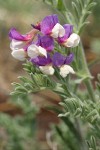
64 115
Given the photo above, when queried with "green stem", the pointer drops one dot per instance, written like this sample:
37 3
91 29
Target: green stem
90 89
80 132
86 70
65 139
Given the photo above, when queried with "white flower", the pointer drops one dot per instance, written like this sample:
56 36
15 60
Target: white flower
65 70
34 51
49 70
19 54
15 45
73 40
58 31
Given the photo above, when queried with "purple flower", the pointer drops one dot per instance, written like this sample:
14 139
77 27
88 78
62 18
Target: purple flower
44 64
41 60
63 62
50 26
68 31
42 45
69 39
19 41
48 23
59 60
45 42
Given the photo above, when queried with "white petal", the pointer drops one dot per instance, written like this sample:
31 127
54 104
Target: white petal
58 31
69 43
55 31
15 45
33 51
73 40
65 70
19 54
61 31
70 69
49 70
42 51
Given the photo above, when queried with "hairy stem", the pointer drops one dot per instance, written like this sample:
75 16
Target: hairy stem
86 70
82 141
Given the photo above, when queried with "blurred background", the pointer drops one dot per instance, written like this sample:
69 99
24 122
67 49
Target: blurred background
16 125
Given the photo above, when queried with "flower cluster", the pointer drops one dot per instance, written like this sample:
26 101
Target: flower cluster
39 48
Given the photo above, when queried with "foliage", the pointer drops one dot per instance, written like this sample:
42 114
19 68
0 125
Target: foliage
79 13
20 130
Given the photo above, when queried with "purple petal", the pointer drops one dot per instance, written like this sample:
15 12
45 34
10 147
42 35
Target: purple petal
68 31
41 61
48 23
46 42
37 26
58 59
14 34
69 58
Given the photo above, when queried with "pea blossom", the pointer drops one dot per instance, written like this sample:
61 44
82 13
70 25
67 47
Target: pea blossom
50 26
19 43
62 62
70 39
44 64
43 45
